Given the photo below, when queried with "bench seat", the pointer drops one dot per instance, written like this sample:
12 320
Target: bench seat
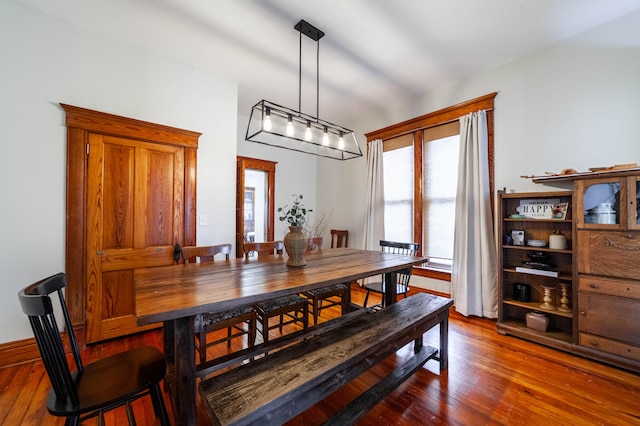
279 386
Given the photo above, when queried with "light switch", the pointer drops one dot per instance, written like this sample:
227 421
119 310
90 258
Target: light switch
203 220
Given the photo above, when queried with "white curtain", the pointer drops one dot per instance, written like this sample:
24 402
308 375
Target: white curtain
474 284
374 219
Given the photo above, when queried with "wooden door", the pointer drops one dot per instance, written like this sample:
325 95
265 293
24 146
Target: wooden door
135 215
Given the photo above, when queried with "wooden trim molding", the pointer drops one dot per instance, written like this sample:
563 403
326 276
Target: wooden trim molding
18 352
115 125
269 167
435 118
22 351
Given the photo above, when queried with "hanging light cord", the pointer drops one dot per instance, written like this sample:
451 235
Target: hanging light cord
317 76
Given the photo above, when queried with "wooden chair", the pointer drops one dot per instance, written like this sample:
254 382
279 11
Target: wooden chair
281 307
94 388
326 297
238 322
265 248
402 278
339 238
314 244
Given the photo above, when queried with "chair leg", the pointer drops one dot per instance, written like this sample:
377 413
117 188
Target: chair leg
317 305
252 332
158 405
71 421
366 297
130 416
265 329
202 345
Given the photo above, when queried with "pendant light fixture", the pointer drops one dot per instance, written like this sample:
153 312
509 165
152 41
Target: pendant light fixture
282 127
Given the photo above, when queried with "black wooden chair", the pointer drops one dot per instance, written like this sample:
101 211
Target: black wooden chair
94 388
238 322
326 297
402 277
289 309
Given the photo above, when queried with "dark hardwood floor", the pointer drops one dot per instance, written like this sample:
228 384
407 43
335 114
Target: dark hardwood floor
492 380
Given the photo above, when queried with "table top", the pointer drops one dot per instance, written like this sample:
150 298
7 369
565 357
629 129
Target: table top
170 292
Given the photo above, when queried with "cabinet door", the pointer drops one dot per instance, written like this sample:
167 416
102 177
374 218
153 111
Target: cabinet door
613 254
135 214
634 202
609 316
602 203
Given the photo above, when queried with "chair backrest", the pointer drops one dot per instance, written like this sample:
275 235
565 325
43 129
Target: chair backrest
205 253
314 244
264 248
405 249
37 305
339 238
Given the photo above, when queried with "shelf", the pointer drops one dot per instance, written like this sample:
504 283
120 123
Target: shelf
554 338
562 276
529 219
587 175
535 306
532 248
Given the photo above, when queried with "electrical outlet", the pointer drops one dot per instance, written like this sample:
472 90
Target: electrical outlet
203 220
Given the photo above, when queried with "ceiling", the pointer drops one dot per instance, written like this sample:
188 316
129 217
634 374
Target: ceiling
375 53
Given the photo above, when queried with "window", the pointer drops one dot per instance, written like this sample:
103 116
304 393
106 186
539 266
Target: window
440 178
398 194
420 163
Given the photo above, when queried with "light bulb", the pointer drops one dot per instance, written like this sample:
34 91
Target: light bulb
267 120
290 126
340 142
325 137
307 133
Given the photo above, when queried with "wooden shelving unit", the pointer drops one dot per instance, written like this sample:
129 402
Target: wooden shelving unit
561 332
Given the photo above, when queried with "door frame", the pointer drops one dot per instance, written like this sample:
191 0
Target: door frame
80 122
242 164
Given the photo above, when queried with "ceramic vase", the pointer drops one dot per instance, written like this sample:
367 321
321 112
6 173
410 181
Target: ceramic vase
295 243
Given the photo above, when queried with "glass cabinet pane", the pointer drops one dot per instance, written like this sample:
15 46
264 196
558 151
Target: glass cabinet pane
636 211
602 203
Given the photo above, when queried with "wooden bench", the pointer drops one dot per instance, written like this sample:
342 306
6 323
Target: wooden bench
281 385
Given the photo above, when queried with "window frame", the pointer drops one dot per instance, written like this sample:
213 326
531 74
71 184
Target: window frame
416 126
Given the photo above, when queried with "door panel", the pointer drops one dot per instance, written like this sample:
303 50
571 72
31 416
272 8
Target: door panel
135 203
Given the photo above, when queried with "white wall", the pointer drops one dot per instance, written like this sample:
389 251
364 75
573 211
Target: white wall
296 173
46 61
575 105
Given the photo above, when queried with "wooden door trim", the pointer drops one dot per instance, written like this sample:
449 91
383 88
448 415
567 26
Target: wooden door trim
80 122
243 163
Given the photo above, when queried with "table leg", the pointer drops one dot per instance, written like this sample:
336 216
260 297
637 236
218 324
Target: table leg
185 372
444 345
390 290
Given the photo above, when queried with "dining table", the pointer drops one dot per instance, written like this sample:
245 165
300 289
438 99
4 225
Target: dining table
175 295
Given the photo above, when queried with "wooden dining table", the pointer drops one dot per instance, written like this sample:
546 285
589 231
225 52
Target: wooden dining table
175 295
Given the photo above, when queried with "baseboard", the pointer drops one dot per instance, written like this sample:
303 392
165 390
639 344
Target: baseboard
22 351
18 352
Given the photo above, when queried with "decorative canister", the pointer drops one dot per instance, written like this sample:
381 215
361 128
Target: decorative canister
605 214
537 321
557 241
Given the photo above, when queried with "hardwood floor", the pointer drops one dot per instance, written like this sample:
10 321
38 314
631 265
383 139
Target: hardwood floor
492 380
